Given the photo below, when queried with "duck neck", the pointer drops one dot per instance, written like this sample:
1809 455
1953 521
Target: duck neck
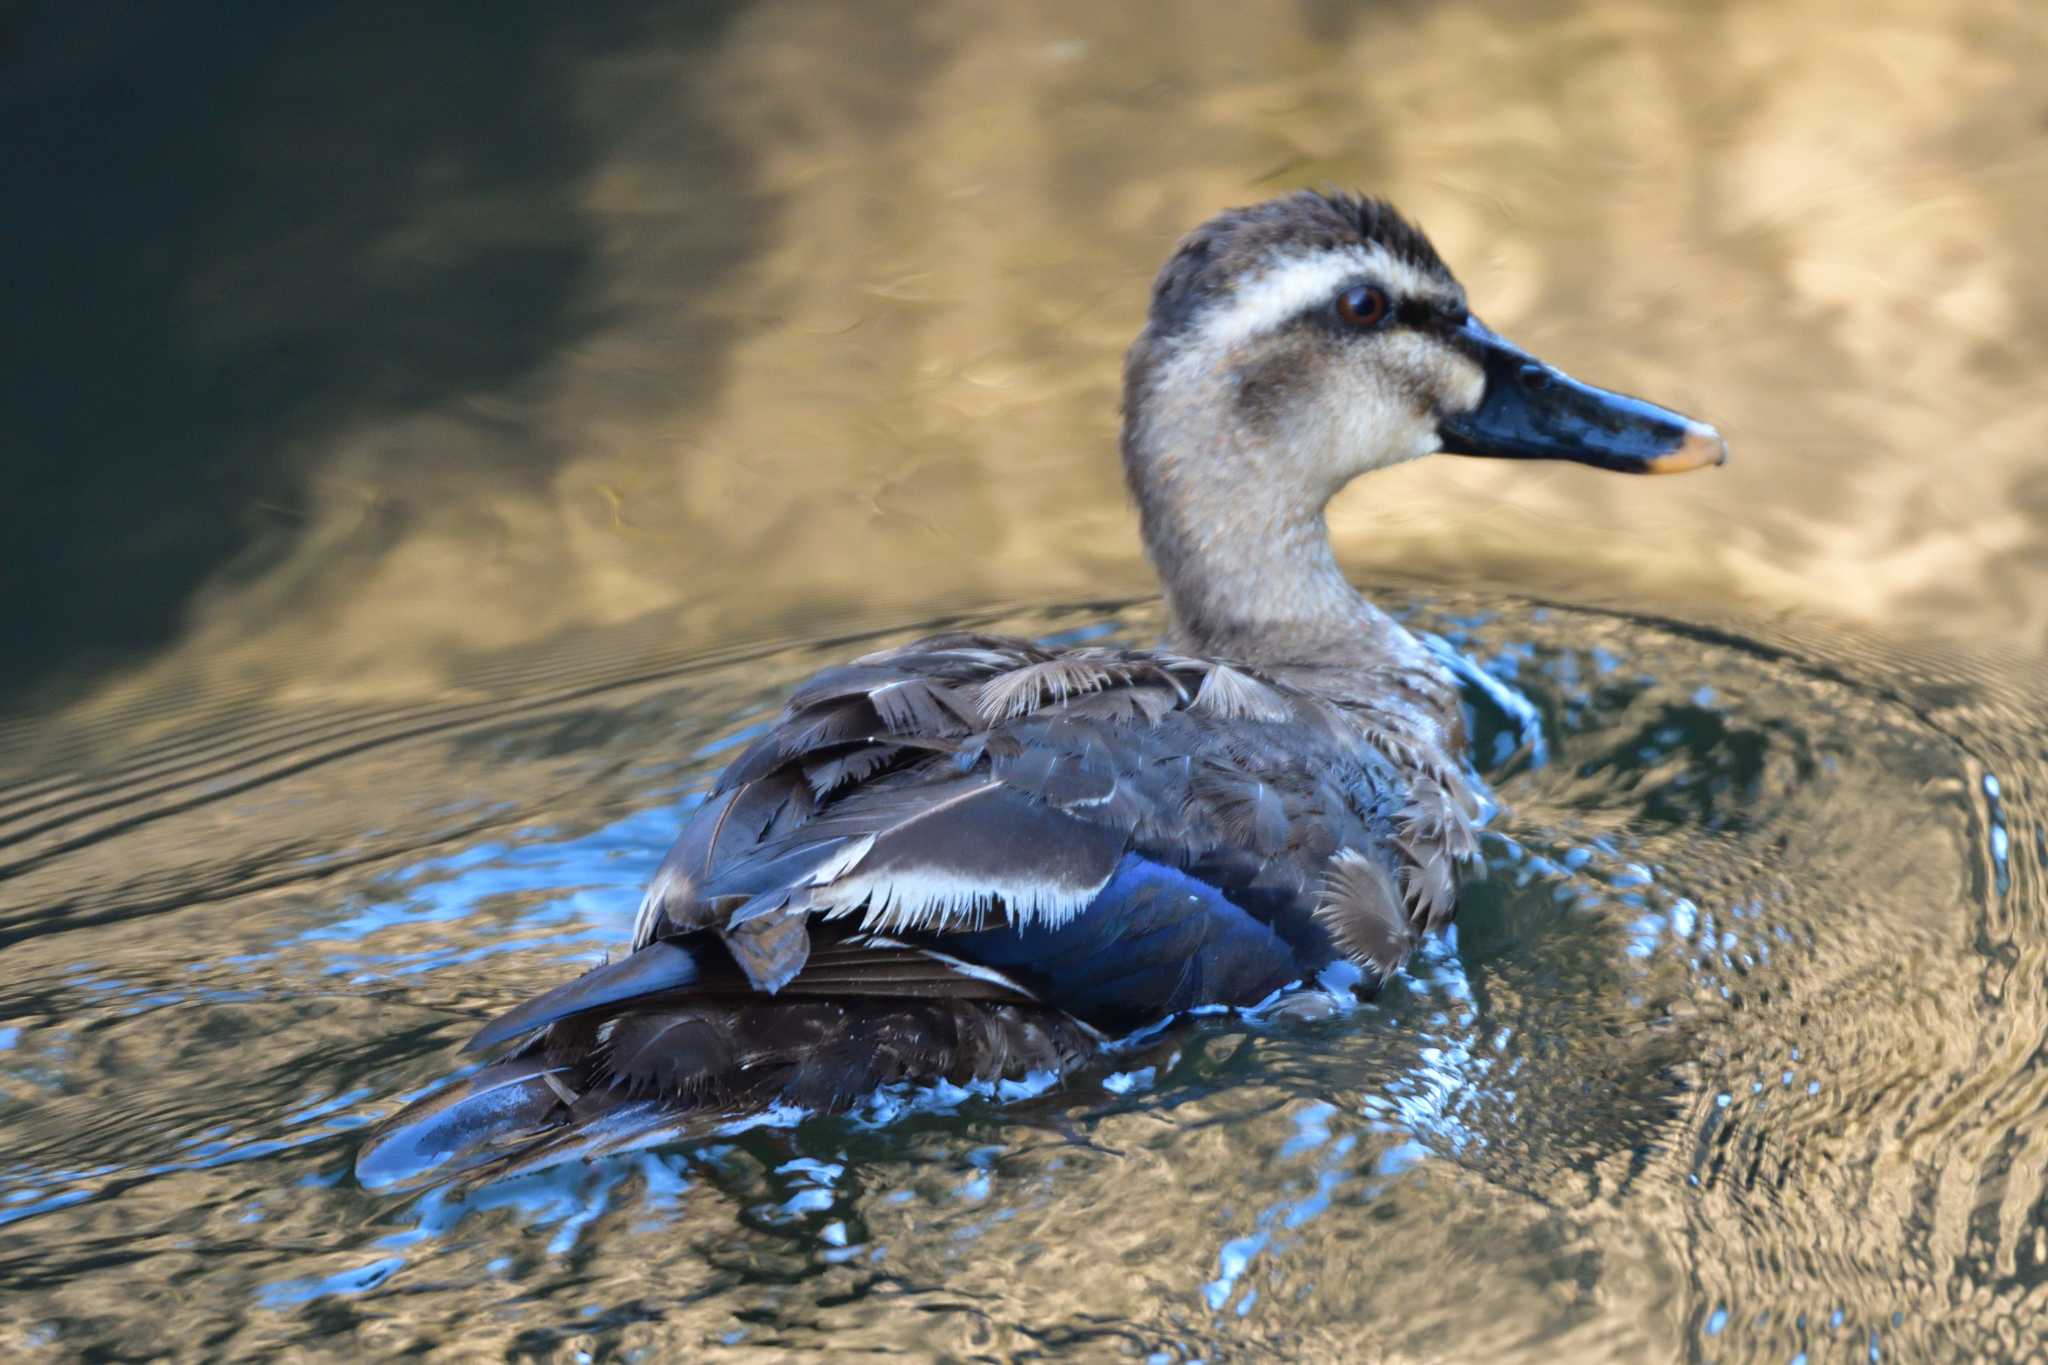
1249 571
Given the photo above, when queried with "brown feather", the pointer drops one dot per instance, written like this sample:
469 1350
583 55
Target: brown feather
1045 682
1364 913
1229 694
770 950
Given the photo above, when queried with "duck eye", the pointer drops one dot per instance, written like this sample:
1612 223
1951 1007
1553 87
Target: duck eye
1362 306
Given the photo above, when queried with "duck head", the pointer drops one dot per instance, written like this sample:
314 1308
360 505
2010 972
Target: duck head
1297 344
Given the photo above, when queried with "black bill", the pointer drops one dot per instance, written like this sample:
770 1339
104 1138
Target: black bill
1533 411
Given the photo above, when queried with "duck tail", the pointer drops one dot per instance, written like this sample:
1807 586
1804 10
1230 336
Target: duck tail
637 1053
499 1109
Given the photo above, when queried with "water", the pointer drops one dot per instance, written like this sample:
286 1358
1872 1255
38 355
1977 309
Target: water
496 423
1736 1050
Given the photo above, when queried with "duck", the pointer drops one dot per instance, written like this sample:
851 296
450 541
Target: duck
976 858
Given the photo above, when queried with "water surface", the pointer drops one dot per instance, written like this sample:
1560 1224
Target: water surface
442 446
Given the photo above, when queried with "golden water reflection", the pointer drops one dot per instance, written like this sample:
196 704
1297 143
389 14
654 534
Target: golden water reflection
835 302
873 370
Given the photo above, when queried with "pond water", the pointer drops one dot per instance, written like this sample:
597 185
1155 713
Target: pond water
442 446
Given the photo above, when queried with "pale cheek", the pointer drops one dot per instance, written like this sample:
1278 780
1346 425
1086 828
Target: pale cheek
1418 438
1455 386
1371 425
1436 378
1467 389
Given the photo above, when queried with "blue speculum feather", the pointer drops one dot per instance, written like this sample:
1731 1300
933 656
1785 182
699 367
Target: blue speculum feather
1155 941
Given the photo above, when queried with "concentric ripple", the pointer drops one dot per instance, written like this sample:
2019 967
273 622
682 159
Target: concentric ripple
1736 1052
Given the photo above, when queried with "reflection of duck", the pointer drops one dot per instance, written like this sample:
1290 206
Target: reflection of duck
977 857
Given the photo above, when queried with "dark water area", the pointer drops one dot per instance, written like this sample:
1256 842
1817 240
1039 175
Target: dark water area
433 444
219 258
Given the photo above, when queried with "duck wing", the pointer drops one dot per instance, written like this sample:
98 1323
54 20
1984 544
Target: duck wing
964 784
965 779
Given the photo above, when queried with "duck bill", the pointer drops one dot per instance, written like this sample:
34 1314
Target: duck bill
1534 411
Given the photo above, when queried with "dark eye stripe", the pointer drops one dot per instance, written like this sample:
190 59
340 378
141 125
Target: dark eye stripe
1431 313
1423 314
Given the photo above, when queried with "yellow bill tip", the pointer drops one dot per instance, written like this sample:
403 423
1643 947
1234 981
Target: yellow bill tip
1701 447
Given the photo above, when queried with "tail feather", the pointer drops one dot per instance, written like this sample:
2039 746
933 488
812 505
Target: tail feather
464 1120
627 1073
652 970
679 1051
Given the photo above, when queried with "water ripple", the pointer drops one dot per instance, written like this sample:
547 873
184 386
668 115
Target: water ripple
1737 1044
